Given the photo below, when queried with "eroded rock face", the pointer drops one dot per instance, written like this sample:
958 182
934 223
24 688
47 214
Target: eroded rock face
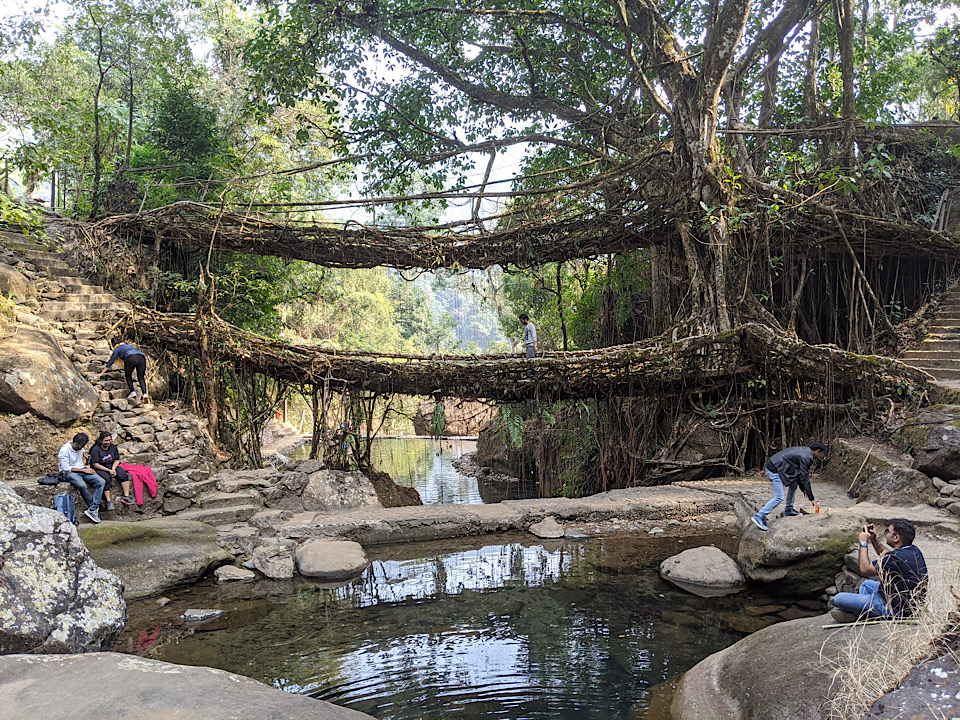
798 553
53 596
331 559
35 376
706 568
40 687
338 490
898 486
940 455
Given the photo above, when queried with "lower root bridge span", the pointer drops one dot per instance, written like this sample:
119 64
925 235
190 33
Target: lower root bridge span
696 364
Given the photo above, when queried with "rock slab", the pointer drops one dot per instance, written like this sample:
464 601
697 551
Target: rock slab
153 556
48 687
35 376
53 596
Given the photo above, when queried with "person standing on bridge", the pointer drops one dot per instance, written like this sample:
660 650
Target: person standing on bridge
529 336
789 468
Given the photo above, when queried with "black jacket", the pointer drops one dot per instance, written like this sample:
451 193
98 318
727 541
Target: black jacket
793 467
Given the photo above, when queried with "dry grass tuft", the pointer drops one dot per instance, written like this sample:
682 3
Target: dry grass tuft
864 666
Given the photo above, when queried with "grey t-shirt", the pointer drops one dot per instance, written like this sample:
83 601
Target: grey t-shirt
529 334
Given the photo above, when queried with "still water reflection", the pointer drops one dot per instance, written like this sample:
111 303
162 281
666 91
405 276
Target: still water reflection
515 630
426 465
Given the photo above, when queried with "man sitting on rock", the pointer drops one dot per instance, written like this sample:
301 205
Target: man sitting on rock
902 574
73 468
788 469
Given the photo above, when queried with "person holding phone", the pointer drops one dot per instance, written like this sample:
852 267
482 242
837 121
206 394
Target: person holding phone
900 570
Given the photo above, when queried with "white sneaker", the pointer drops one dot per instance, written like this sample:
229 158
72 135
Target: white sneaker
132 396
93 515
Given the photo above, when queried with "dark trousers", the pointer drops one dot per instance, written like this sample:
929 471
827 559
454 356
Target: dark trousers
138 363
122 476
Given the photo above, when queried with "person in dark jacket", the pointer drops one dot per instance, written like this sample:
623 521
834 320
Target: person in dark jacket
789 469
105 459
133 360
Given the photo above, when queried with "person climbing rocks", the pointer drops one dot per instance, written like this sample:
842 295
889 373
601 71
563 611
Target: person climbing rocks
529 336
789 469
72 463
131 359
901 571
105 459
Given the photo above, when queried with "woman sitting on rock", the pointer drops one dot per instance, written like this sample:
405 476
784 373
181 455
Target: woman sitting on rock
105 459
132 359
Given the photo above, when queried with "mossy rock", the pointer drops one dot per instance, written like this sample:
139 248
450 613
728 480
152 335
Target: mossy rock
847 457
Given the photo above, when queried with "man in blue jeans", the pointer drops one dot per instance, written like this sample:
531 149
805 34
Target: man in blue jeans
788 469
901 572
73 468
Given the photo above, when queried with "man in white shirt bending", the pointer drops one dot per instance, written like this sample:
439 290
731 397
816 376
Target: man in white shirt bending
73 466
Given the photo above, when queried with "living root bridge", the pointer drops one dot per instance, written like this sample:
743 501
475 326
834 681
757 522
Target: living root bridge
702 363
356 246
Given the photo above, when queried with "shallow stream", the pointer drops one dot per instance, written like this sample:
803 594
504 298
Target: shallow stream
507 627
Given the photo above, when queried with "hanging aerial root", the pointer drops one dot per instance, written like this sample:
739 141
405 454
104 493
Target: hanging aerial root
702 363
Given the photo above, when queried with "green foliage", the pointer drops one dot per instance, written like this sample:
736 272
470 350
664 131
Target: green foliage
28 220
510 426
438 420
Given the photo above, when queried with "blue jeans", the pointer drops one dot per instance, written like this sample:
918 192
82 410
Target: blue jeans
867 601
777 496
80 482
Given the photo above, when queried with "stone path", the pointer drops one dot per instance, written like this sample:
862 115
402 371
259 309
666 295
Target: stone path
939 353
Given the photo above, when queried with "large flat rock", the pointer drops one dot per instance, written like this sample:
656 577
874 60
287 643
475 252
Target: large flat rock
153 556
112 686
372 526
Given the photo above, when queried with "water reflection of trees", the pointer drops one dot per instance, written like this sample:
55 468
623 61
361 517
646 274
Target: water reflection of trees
553 631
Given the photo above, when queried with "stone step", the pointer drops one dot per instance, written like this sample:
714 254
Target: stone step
59 269
221 516
86 298
192 488
925 353
948 362
67 312
228 499
39 256
79 286
939 373
939 346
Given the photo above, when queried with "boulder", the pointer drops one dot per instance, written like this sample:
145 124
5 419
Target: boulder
705 571
274 558
798 555
35 376
42 687
782 672
338 490
155 555
331 559
53 596
866 456
928 692
14 285
898 486
940 454
548 528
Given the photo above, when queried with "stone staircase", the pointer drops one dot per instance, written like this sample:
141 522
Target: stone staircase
939 353
164 436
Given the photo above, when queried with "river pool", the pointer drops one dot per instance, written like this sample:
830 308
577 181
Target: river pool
509 627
